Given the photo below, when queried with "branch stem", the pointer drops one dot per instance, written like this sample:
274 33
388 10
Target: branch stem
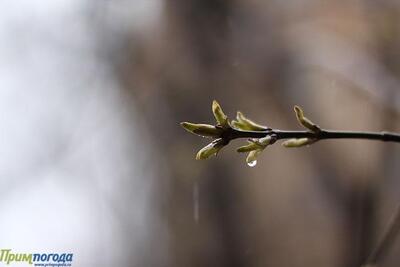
321 135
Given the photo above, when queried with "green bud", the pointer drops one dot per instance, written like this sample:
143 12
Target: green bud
252 156
298 142
247 148
255 144
202 129
304 121
219 115
265 141
211 149
255 147
243 123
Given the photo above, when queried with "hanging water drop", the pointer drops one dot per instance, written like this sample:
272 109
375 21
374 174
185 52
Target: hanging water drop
252 163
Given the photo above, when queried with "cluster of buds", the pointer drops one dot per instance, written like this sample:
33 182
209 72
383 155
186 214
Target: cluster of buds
222 134
308 124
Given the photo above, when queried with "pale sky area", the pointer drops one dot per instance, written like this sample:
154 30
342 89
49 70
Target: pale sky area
70 180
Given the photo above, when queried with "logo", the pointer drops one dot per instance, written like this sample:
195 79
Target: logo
37 259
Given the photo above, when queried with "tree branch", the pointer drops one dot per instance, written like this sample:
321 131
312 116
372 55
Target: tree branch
321 135
261 136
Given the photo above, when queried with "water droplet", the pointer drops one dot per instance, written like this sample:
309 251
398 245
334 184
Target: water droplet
252 163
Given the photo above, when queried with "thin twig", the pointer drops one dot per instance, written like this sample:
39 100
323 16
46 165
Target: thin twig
321 135
225 131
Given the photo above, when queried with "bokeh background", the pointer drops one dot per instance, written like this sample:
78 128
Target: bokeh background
93 160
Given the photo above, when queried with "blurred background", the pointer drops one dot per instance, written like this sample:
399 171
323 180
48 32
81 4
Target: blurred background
93 160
